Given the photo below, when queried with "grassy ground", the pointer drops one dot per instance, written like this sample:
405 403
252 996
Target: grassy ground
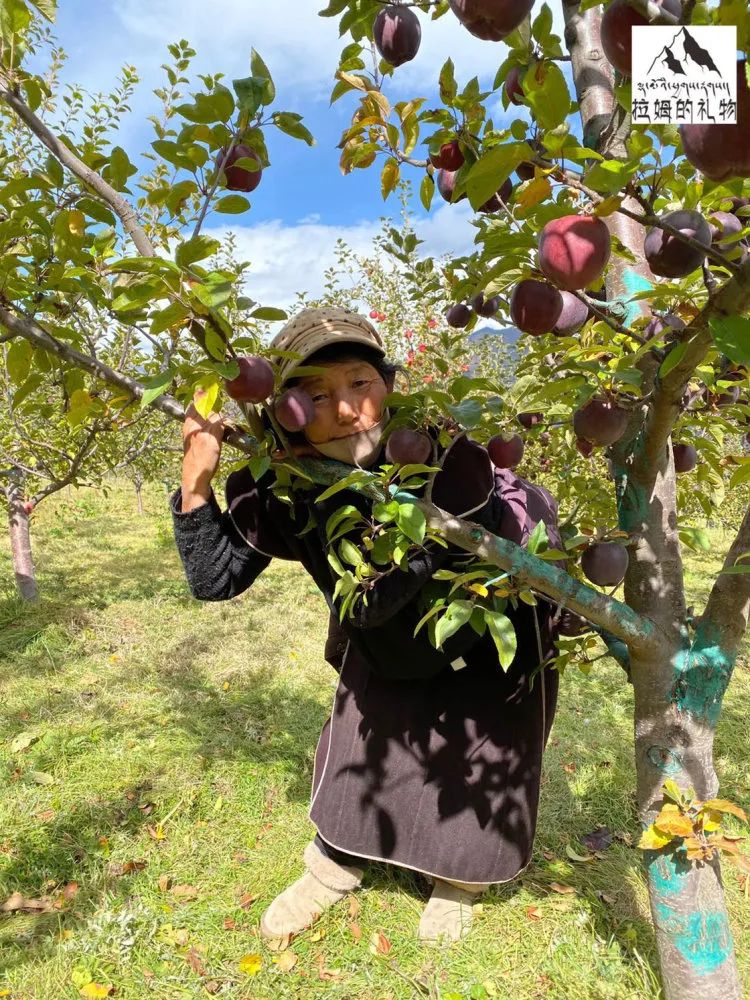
155 764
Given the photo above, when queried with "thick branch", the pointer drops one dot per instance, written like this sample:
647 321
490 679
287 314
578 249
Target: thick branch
90 177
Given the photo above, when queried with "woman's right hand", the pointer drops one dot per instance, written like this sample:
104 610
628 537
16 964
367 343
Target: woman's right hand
201 442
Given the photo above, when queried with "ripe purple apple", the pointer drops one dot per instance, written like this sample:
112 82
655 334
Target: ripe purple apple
571 624
491 20
458 315
408 447
496 201
446 184
574 314
685 457
490 306
584 447
397 33
535 306
723 226
506 452
605 563
668 256
657 325
241 177
294 410
254 382
574 250
449 157
512 86
722 151
529 420
600 421
618 20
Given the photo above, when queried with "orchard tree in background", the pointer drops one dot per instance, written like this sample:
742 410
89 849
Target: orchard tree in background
617 358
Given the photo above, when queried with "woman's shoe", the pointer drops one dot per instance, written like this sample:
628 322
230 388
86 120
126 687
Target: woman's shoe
323 884
448 913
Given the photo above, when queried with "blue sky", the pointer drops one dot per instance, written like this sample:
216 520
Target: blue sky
303 203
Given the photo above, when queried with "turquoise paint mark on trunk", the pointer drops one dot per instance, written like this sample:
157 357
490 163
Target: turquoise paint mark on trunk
704 939
702 674
634 282
666 760
632 501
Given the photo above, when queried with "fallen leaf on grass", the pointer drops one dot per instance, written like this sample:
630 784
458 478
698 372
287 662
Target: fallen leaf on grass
533 913
355 930
128 868
229 923
22 742
212 987
16 903
578 857
164 883
195 962
247 899
318 935
286 961
328 975
548 855
96 991
156 832
184 892
569 768
250 964
68 894
598 840
605 897
564 890
46 815
279 943
625 837
353 907
379 944
40 777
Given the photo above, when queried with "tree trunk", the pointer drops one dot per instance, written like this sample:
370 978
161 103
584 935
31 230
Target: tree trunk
20 544
138 486
677 693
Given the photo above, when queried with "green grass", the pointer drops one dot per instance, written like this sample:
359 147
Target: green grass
181 735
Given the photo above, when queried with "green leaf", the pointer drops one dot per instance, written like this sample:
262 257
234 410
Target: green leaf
291 124
542 25
448 88
538 539
389 177
96 210
251 93
261 71
695 538
340 515
173 315
426 191
20 354
546 93
209 109
732 336
268 313
196 249
494 167
672 359
259 466
740 475
156 386
457 614
350 553
503 634
412 522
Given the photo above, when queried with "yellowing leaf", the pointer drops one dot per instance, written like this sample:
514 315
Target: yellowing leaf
251 964
204 401
286 961
653 839
608 206
537 190
478 588
564 890
724 806
77 226
95 991
671 820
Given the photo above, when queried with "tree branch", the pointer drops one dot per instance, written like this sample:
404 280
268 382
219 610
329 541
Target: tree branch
728 607
90 177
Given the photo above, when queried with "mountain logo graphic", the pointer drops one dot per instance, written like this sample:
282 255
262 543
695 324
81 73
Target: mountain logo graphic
684 53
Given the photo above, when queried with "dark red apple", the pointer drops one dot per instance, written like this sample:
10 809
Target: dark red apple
490 306
584 447
529 420
722 151
458 315
667 255
617 23
496 201
491 20
506 452
449 157
605 563
241 176
408 447
657 325
685 457
513 88
294 410
535 306
574 250
723 226
254 382
600 421
574 314
397 33
525 170
446 183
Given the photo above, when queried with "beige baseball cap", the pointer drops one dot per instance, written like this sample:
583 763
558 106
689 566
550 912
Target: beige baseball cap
312 329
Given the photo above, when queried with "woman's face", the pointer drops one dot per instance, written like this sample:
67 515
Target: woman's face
348 399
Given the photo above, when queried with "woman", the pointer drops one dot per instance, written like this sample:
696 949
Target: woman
431 759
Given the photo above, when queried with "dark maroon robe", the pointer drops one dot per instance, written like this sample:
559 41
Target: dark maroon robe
430 760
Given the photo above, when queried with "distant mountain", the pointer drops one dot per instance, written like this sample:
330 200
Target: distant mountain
509 334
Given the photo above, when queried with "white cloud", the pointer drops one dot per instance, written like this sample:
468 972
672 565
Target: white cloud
287 259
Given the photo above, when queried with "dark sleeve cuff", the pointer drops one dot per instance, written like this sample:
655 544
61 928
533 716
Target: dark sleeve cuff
199 517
